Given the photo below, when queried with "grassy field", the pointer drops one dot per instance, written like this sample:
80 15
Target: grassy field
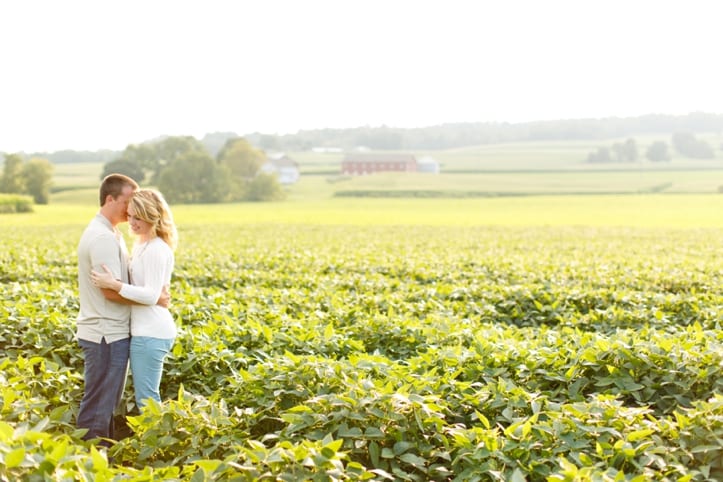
590 182
531 168
654 210
527 156
687 198
76 175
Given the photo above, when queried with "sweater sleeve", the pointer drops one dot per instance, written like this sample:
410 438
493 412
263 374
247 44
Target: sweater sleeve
154 276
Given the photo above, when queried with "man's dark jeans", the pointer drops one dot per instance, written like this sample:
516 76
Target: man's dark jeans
106 368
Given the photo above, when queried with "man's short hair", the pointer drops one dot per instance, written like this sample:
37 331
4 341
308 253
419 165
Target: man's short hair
113 184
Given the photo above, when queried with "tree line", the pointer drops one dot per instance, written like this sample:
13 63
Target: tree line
443 136
454 135
684 143
183 169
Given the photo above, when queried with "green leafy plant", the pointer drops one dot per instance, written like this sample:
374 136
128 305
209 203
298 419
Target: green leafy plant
387 353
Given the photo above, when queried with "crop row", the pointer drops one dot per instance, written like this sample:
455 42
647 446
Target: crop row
415 353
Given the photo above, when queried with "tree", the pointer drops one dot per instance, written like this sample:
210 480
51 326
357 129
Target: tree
264 187
175 147
601 155
268 141
243 162
123 166
689 146
658 152
630 150
243 159
154 156
214 142
37 174
194 177
618 152
143 155
12 180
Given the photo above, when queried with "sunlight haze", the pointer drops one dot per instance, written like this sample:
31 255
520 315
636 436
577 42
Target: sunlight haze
90 75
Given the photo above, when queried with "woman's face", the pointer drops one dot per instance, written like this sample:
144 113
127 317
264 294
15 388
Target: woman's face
138 226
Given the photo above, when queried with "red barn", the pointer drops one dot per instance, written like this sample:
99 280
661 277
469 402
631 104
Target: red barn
366 163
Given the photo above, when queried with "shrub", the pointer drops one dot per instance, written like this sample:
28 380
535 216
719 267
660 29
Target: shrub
15 203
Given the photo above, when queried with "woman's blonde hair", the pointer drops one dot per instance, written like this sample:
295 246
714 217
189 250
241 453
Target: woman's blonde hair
151 207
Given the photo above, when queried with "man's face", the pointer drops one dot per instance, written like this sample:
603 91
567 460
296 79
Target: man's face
120 205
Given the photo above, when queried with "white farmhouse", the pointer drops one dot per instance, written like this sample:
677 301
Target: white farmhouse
282 166
427 164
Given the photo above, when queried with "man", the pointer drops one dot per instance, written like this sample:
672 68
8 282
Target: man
103 324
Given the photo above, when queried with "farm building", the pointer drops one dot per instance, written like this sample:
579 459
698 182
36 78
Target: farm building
428 164
367 163
283 166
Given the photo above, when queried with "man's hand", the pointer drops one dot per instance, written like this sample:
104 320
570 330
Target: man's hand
165 298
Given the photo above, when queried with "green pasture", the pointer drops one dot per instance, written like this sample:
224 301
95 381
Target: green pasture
560 155
318 188
533 155
516 156
678 194
533 175
542 182
76 175
644 210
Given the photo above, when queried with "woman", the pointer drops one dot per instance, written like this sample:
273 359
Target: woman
152 327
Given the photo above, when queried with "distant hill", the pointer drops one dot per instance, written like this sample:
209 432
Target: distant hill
449 136
67 156
443 136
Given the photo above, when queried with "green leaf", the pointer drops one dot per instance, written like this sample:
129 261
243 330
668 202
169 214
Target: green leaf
99 461
346 432
705 448
334 445
401 447
198 476
374 453
585 459
482 419
414 460
639 435
373 432
6 431
15 457
518 476
208 465
383 474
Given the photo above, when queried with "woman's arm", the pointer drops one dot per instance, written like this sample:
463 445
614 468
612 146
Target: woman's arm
154 272
164 300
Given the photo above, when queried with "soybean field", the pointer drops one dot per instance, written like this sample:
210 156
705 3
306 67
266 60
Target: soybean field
568 338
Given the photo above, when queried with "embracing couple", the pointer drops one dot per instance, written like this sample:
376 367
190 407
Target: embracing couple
124 301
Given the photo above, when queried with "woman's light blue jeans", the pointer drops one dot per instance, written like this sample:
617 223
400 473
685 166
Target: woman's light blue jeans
147 355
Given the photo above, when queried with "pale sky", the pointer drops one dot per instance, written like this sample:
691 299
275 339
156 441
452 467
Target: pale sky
95 74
